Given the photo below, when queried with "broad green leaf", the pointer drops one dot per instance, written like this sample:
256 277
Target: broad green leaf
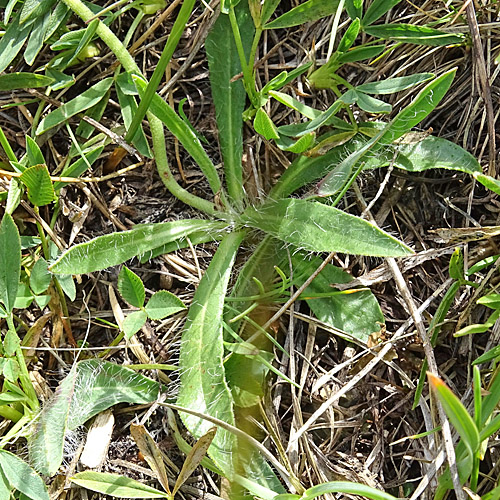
12 81
11 370
24 297
377 9
357 313
133 323
457 413
346 487
40 277
116 486
131 287
37 180
91 387
410 33
57 18
349 36
68 286
10 262
392 85
11 342
311 10
60 79
80 103
203 384
423 154
35 156
163 304
12 41
229 97
22 477
115 248
316 227
185 135
264 126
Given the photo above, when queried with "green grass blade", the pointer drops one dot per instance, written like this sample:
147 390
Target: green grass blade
317 227
203 383
84 101
377 9
113 249
229 97
457 413
346 487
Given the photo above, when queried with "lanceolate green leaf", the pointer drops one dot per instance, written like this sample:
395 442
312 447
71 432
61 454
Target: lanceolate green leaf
113 249
312 10
12 41
316 227
116 486
229 97
12 81
457 413
10 262
409 33
392 85
346 487
203 383
185 135
377 9
84 101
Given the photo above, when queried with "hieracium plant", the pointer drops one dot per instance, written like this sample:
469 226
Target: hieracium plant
227 342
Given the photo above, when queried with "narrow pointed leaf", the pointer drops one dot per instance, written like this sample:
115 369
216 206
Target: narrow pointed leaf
457 413
316 227
113 249
392 85
116 486
229 97
84 101
12 41
12 81
410 33
346 487
10 262
194 458
377 9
